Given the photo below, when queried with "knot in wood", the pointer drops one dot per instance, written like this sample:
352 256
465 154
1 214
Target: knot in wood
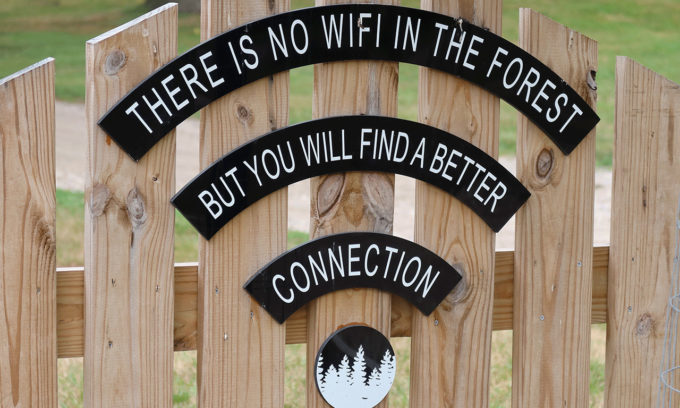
329 193
378 189
460 292
590 79
135 208
645 325
114 62
99 199
244 114
544 162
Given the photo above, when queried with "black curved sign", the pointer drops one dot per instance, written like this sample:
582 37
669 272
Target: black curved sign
348 143
347 32
352 260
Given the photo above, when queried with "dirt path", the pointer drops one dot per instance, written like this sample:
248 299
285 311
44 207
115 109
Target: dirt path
72 145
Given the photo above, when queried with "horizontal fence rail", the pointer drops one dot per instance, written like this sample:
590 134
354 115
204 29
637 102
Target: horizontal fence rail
71 292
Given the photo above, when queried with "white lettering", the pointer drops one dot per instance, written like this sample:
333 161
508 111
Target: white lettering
281 43
439 36
193 80
174 92
334 29
472 51
371 273
209 69
210 203
156 105
249 51
133 109
495 62
278 293
299 50
576 111
351 259
305 274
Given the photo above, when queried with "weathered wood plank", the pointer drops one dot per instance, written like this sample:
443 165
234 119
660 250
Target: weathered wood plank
352 201
554 237
240 347
70 297
457 366
644 199
28 373
129 229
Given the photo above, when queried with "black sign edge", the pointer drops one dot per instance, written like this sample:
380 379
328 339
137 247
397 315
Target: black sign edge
565 151
330 237
525 193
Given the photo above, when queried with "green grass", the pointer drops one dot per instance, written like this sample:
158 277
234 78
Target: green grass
646 30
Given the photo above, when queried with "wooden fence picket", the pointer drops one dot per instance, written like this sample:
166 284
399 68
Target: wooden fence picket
644 192
241 347
28 352
352 201
129 229
457 367
554 237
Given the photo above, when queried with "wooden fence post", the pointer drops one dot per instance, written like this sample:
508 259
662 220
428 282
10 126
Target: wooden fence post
241 348
451 348
554 237
28 344
129 229
352 201
645 188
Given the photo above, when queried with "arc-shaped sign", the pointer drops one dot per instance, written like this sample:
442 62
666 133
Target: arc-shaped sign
352 260
348 143
347 32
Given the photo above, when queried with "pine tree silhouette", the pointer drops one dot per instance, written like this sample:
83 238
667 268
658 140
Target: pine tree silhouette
358 378
332 379
344 372
320 375
390 369
374 378
350 386
385 376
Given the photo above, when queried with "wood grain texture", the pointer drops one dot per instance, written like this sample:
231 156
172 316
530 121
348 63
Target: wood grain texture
28 320
70 304
644 202
240 353
452 346
129 229
554 237
352 201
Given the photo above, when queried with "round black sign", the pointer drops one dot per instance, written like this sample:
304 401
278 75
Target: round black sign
355 368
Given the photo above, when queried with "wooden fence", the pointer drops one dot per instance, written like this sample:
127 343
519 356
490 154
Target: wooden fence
129 308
